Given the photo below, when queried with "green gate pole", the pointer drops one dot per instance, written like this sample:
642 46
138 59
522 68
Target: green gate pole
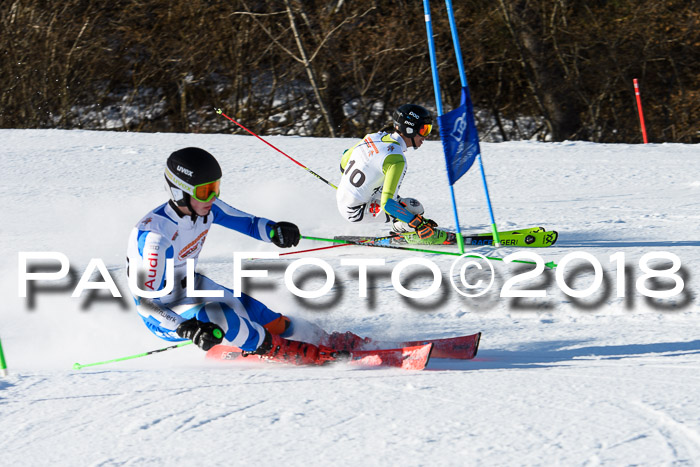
3 365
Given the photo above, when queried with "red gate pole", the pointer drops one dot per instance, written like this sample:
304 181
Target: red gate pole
639 107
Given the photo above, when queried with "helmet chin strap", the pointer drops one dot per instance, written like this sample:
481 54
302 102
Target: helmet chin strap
187 204
412 138
193 213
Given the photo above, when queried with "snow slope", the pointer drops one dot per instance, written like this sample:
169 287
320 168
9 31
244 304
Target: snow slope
603 380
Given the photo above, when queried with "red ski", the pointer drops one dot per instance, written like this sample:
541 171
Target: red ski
408 358
462 347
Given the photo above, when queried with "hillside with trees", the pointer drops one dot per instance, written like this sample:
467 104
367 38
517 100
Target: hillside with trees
550 70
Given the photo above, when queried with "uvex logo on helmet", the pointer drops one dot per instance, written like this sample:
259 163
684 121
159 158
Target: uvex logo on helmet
184 170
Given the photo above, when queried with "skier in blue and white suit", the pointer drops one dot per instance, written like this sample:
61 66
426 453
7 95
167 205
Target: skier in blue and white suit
177 230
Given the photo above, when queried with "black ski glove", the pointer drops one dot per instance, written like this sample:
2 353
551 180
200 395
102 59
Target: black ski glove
430 222
285 234
204 335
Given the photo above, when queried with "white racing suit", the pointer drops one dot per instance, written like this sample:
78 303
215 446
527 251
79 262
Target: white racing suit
373 170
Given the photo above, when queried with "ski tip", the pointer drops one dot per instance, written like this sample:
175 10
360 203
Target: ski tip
423 357
476 344
556 237
415 357
430 354
223 353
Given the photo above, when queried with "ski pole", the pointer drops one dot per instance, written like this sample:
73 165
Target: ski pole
550 265
396 247
78 366
220 112
314 249
326 247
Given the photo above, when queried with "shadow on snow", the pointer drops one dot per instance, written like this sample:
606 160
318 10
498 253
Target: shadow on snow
556 353
587 242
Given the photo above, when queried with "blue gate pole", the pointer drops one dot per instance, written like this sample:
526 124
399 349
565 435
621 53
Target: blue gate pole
463 79
438 101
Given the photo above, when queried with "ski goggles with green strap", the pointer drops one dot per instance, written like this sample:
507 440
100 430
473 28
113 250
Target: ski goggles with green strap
206 191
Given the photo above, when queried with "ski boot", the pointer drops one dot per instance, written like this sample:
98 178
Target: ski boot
279 349
346 341
440 237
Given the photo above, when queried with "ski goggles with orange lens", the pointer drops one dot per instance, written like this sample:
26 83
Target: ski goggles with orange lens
425 130
206 191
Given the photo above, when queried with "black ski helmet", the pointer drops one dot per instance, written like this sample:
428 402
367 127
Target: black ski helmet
412 120
192 172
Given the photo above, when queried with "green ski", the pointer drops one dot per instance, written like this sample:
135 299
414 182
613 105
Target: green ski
534 237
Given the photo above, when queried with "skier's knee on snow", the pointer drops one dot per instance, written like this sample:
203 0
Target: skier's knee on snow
412 205
305 331
279 326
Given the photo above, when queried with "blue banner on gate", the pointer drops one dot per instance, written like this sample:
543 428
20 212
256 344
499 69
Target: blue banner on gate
460 140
